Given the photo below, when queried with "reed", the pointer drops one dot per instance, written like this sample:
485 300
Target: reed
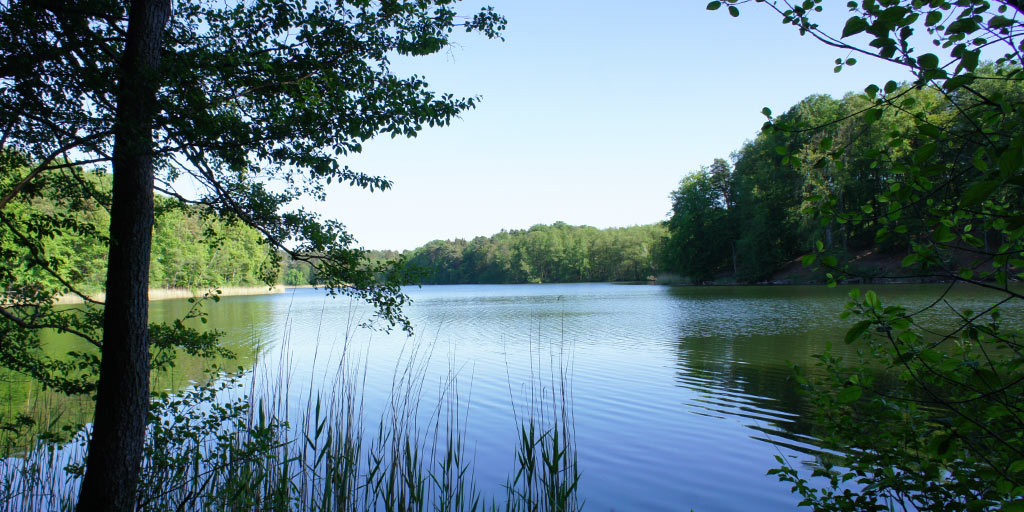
237 443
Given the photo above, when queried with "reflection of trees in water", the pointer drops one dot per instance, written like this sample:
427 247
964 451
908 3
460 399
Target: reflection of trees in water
241 319
736 346
739 379
750 378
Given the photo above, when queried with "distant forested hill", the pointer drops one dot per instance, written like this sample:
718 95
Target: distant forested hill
558 253
189 251
751 215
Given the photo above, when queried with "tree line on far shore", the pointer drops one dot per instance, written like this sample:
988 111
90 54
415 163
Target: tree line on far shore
745 218
191 250
748 217
742 219
556 253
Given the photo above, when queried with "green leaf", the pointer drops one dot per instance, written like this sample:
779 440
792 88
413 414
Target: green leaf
1012 506
933 18
930 130
930 356
849 394
808 259
958 81
978 192
962 26
999 22
925 152
910 260
941 444
856 331
928 61
969 60
942 234
854 25
733 11
1010 159
972 240
908 337
712 6
871 298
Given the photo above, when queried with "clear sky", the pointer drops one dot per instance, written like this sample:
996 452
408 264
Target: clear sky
591 113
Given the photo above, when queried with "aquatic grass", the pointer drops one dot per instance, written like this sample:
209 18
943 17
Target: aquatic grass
237 443
547 469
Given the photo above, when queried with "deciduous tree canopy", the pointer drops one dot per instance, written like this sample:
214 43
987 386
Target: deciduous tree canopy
936 168
237 109
558 253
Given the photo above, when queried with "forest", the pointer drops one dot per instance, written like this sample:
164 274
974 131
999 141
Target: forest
190 250
556 253
749 216
746 217
740 219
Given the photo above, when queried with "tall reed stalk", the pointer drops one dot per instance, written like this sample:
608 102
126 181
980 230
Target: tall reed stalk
236 443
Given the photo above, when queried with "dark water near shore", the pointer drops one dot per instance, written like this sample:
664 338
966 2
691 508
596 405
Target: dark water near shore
680 396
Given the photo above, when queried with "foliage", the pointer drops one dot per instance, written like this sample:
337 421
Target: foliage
701 224
189 251
949 436
247 107
556 253
254 114
748 219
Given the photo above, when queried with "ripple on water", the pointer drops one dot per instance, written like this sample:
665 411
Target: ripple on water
680 396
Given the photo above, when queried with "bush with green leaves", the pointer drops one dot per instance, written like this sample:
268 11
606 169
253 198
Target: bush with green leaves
930 416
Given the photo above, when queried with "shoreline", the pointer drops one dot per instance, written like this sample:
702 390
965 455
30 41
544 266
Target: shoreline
156 294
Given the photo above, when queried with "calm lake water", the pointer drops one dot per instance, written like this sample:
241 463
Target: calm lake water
680 395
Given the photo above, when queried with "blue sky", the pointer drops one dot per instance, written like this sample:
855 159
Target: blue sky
592 111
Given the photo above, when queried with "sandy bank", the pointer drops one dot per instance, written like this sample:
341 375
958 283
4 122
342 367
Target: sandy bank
186 293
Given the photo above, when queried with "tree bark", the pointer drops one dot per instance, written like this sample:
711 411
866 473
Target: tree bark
122 397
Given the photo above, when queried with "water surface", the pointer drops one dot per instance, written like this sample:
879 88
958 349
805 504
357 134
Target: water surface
681 396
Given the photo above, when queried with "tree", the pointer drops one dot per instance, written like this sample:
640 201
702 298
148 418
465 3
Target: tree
557 253
251 104
949 437
702 231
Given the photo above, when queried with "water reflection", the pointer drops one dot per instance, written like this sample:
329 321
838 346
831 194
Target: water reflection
736 349
245 323
681 396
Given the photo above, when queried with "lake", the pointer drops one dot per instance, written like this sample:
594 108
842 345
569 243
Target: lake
680 396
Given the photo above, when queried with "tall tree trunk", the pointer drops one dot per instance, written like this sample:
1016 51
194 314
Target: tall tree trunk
122 398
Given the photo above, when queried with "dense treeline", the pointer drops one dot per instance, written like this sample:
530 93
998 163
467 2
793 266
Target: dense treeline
543 254
189 250
750 217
